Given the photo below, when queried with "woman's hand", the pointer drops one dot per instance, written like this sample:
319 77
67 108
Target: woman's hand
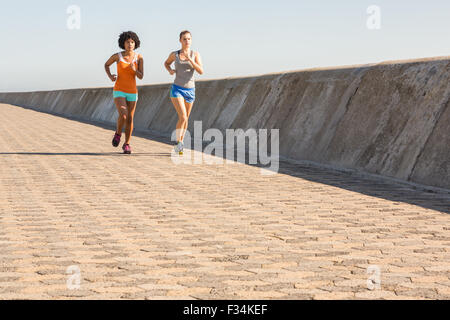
188 58
172 72
113 78
133 66
197 64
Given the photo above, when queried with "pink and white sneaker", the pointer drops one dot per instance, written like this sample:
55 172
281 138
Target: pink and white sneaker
116 139
126 149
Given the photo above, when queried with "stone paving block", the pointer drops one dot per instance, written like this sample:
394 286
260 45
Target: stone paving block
334 296
375 295
257 295
188 292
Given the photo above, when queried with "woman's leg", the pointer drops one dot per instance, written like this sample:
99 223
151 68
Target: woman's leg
131 108
180 107
121 105
188 112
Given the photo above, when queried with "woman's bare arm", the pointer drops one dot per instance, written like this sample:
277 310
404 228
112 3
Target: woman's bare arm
140 69
168 62
114 58
197 64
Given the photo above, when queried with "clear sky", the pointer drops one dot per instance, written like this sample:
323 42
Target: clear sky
235 37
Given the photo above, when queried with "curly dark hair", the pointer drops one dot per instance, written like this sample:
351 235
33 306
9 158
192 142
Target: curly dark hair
124 36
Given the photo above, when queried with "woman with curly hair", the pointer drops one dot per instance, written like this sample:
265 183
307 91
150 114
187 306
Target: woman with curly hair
130 65
182 92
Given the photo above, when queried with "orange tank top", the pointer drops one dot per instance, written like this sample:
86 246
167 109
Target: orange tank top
126 77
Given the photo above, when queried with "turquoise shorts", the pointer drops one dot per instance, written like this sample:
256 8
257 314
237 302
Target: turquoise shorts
187 93
127 96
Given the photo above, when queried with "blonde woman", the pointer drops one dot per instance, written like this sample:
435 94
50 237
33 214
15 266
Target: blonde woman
182 92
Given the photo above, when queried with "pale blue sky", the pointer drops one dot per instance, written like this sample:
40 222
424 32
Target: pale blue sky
235 37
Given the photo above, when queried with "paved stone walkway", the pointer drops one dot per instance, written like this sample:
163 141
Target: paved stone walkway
141 227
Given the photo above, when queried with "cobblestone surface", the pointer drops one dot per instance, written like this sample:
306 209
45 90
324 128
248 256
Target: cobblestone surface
142 227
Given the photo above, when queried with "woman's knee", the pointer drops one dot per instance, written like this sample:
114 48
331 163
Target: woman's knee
122 112
130 118
183 117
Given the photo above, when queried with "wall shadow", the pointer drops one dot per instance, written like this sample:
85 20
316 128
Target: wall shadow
356 181
114 154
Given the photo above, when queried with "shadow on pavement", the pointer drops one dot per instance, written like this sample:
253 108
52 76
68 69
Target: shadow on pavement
356 181
85 154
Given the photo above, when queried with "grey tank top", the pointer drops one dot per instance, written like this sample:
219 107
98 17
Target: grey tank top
184 71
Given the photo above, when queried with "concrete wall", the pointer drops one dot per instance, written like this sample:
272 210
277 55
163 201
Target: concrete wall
391 118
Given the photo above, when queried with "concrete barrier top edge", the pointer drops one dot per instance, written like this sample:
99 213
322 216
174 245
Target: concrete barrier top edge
357 66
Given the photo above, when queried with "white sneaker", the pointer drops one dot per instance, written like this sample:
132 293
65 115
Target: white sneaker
179 147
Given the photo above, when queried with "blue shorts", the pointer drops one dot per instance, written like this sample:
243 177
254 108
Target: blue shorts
127 96
187 93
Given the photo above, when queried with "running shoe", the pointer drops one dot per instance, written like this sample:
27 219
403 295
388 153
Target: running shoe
116 139
126 149
178 148
181 149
